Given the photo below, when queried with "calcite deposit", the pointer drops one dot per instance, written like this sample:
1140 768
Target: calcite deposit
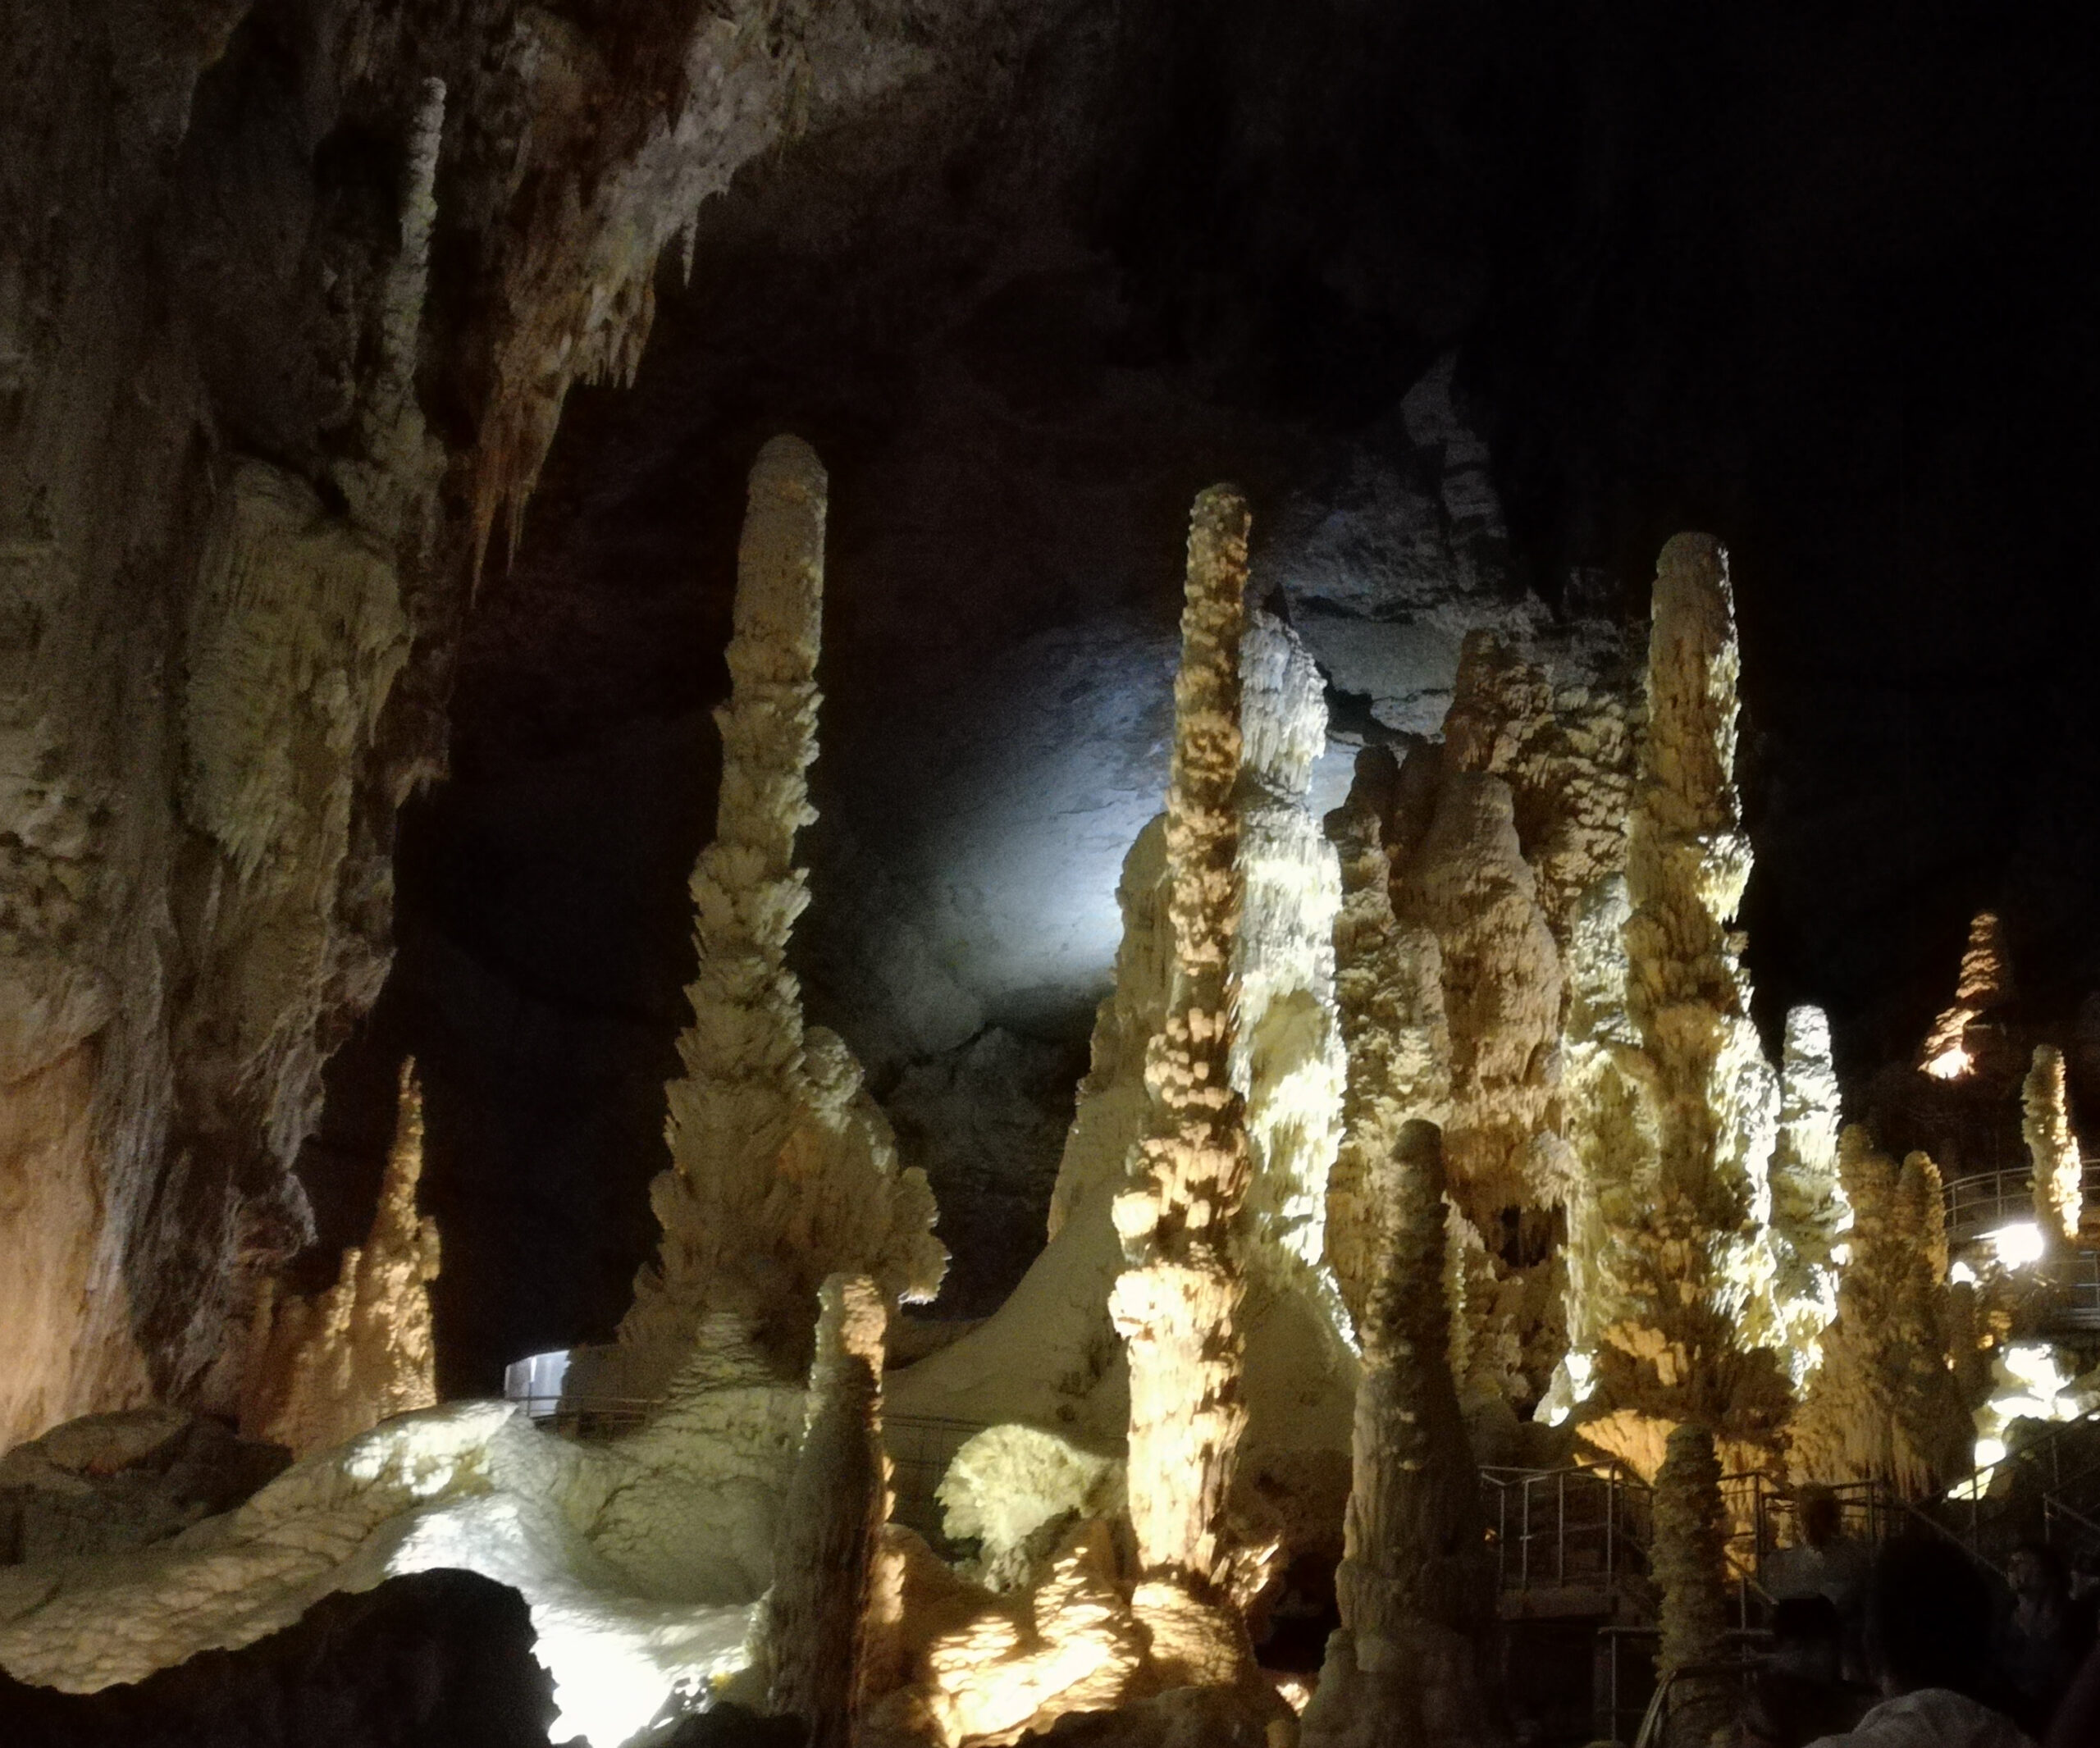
2059 1169
1415 1585
1177 1302
1887 1403
325 1369
1950 1050
783 1170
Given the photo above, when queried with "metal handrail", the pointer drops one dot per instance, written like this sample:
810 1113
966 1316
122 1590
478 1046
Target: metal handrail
1520 1498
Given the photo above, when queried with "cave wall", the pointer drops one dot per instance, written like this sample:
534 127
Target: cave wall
290 297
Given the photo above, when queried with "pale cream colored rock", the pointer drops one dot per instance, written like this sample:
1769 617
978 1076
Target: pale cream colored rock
783 1170
1673 1304
1010 1486
1886 1403
2059 1171
816 1622
1177 1302
1949 1052
323 1370
1810 1216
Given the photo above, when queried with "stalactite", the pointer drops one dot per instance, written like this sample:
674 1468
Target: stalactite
1177 1302
815 1618
783 1171
1884 1404
2059 1171
1691 1567
326 1369
1415 1588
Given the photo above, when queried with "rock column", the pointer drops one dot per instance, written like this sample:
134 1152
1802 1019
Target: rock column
2059 1171
1691 1565
1177 1301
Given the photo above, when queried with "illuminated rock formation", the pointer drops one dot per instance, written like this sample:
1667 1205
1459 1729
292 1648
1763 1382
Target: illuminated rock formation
1288 1059
784 1171
2059 1171
1673 1110
1810 1213
328 1369
1884 1405
1691 1567
815 1619
643 1561
1177 1302
1948 1051
1388 982
1415 1586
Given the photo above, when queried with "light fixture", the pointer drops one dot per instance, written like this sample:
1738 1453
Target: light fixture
2018 1245
1950 1064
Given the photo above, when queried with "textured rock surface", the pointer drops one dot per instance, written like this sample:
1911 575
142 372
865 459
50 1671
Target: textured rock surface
1415 1585
1886 1403
784 1171
430 1660
2059 1171
1690 1567
322 1369
1177 1302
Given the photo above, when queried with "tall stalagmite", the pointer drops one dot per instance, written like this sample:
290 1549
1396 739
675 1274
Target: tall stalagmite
784 1171
1414 1585
1950 1052
1388 982
1691 1566
1885 1405
815 1615
1177 1302
323 1370
1673 1109
2059 1171
1810 1214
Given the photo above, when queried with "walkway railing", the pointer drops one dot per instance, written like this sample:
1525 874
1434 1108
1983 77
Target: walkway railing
1579 1528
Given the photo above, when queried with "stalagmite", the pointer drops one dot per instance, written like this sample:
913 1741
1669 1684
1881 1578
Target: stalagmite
1810 1213
1673 1109
1690 1567
326 1369
1884 1404
1949 1052
1388 982
1288 1058
1177 1302
2059 1171
815 1616
784 1171
1415 1587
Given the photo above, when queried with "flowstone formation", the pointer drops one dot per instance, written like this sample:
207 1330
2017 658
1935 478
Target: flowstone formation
643 1561
1177 1302
1415 1586
783 1170
1888 1403
327 1368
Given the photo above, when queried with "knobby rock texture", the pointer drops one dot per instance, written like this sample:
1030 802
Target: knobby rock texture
784 1171
1177 1302
327 1368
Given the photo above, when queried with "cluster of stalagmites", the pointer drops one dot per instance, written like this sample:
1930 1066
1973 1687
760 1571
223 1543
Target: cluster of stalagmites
1437 1130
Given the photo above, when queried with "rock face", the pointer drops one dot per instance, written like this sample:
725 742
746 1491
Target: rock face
424 1661
784 1171
323 1370
253 453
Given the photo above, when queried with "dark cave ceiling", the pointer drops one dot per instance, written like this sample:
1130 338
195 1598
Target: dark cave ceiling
1816 279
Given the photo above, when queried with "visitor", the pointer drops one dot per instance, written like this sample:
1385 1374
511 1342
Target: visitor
1929 1637
1825 1562
2045 1637
1797 1692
